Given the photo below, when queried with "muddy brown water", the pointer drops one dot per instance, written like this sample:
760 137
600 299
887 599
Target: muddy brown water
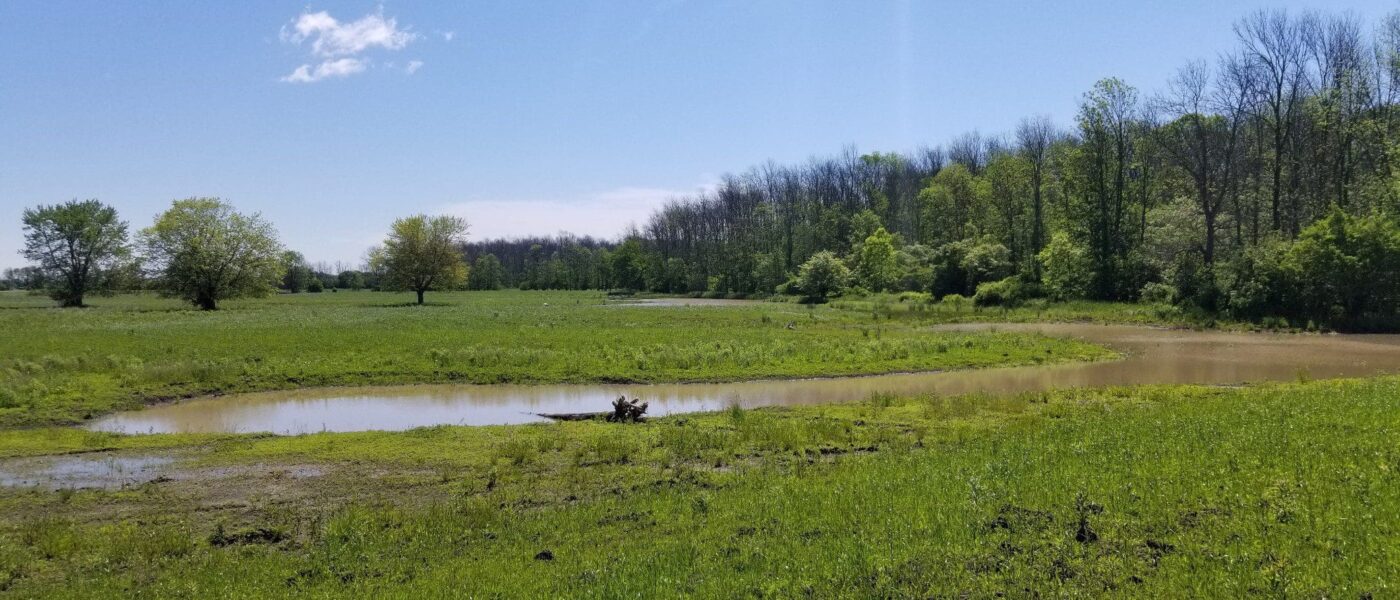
78 471
1151 356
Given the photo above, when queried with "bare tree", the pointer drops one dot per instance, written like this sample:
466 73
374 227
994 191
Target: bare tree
1274 44
1035 136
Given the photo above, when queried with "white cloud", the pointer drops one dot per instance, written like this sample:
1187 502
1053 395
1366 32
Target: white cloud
602 214
331 38
413 66
448 35
337 45
342 67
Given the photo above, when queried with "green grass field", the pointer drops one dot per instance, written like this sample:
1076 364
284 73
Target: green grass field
61 366
1280 491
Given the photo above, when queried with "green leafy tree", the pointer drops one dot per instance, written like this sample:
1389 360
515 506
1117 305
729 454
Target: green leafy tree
1066 268
629 265
768 272
486 273
350 280
422 253
823 276
1347 267
204 252
298 276
876 264
986 261
80 247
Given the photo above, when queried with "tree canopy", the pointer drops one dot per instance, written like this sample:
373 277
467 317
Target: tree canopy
79 247
203 251
422 253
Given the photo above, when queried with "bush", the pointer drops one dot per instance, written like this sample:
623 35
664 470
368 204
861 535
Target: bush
823 276
957 301
1008 292
1157 293
315 286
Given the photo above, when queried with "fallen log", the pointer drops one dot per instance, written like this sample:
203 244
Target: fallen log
624 411
586 416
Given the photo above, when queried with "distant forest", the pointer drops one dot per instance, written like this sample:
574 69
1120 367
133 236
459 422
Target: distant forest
1262 184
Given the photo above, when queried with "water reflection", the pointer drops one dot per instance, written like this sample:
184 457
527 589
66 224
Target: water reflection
1153 356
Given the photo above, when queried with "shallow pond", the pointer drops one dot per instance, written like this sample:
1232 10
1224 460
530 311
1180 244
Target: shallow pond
79 471
1151 356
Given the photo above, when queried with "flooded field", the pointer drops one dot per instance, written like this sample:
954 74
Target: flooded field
1151 356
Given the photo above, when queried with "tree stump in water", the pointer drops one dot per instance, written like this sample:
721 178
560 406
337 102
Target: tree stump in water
627 411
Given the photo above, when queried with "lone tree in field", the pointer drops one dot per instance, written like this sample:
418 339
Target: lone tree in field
79 246
422 253
205 252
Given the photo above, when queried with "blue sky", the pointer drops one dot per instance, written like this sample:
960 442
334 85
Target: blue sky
332 119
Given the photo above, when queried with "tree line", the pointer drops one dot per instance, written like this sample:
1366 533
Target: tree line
1261 184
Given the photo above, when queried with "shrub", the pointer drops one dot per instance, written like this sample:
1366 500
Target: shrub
1007 292
1158 293
823 276
957 301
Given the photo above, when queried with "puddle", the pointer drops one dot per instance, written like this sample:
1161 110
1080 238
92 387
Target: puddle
81 471
1153 356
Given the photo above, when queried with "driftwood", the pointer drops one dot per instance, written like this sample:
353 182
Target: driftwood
624 411
627 411
587 416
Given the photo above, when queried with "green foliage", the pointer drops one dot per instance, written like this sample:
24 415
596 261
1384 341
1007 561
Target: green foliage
628 264
1347 268
876 266
298 275
986 261
1008 292
957 301
315 286
80 247
486 274
823 276
204 252
422 253
350 280
1258 283
1065 268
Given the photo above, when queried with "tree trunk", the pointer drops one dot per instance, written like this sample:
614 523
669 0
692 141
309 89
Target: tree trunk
207 303
1210 217
420 296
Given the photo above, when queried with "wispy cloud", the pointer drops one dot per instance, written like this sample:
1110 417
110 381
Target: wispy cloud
413 66
341 67
338 45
